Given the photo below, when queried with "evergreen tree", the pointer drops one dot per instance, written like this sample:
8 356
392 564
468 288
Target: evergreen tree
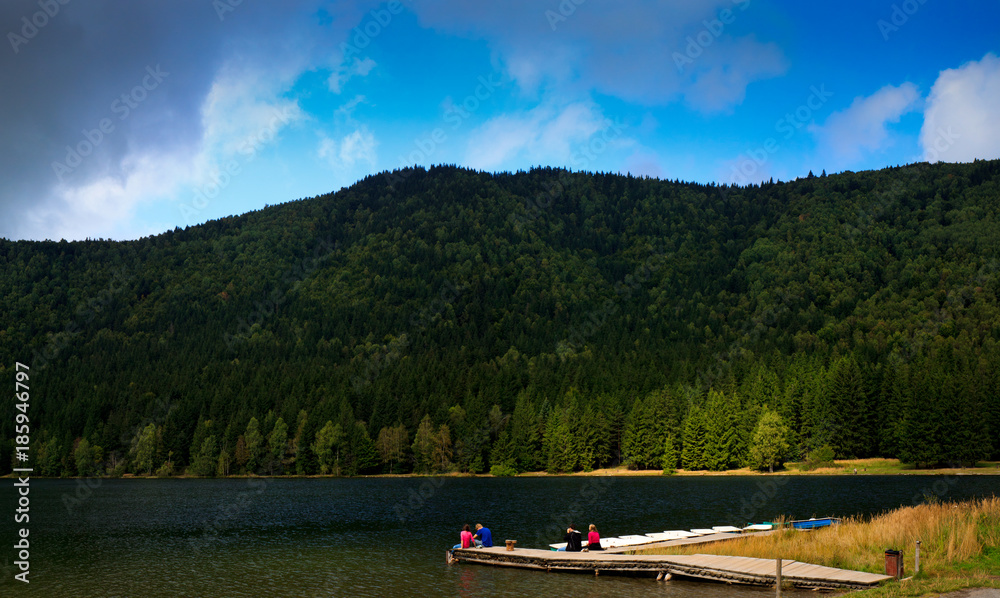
525 436
277 443
254 442
365 455
848 402
693 451
669 455
503 457
558 442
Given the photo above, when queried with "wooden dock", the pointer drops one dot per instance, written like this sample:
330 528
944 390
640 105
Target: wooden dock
728 569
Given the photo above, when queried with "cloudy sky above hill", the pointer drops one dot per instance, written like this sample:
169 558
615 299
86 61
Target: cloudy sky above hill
122 120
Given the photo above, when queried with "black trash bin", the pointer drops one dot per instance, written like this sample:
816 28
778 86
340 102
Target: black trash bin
894 563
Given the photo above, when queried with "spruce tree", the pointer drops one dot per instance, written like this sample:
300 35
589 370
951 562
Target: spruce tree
669 460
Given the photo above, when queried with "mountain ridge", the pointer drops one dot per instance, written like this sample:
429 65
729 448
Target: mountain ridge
444 292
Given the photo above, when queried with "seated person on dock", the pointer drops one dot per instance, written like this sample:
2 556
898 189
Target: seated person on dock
483 537
573 541
594 539
466 539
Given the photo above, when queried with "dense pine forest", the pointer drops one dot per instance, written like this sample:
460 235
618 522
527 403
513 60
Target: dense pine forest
453 320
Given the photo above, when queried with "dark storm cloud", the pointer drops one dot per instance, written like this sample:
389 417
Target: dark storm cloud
141 69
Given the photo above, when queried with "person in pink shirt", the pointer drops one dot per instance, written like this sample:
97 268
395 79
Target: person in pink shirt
594 539
465 537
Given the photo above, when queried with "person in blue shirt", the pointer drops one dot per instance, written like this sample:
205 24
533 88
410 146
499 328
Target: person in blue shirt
484 537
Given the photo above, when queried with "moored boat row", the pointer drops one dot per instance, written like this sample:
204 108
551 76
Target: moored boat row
636 540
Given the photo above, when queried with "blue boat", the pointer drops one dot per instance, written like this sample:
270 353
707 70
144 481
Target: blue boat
814 523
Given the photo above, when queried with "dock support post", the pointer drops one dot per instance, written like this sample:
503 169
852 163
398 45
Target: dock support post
777 577
916 559
447 556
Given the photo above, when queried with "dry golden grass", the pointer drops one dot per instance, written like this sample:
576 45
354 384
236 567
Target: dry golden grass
955 536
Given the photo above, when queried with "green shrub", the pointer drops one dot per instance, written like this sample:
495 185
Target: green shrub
502 471
820 457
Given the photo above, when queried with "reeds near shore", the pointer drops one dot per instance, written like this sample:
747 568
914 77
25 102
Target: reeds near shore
952 534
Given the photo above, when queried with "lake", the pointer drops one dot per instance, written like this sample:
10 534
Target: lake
387 537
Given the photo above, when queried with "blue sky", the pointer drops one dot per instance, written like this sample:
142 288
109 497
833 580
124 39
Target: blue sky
125 120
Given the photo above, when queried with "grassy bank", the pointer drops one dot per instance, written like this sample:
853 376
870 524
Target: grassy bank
876 466
960 546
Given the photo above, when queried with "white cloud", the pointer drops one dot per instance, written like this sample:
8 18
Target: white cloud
105 206
862 127
621 49
358 146
961 120
546 134
344 72
243 112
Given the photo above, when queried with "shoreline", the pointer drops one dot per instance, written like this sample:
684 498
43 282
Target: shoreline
869 467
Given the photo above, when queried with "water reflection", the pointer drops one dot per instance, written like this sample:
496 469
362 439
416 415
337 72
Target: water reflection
346 537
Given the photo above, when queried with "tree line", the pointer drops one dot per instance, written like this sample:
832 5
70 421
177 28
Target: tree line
452 320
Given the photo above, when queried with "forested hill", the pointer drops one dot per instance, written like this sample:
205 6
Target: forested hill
452 319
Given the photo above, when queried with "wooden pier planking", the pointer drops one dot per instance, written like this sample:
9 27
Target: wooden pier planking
730 569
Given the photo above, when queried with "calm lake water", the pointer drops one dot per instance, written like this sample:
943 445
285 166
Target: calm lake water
387 537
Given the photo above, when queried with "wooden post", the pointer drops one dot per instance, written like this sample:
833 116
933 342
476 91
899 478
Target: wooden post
916 559
777 577
447 556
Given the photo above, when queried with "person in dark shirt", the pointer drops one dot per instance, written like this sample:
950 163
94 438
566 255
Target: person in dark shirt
484 537
573 540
